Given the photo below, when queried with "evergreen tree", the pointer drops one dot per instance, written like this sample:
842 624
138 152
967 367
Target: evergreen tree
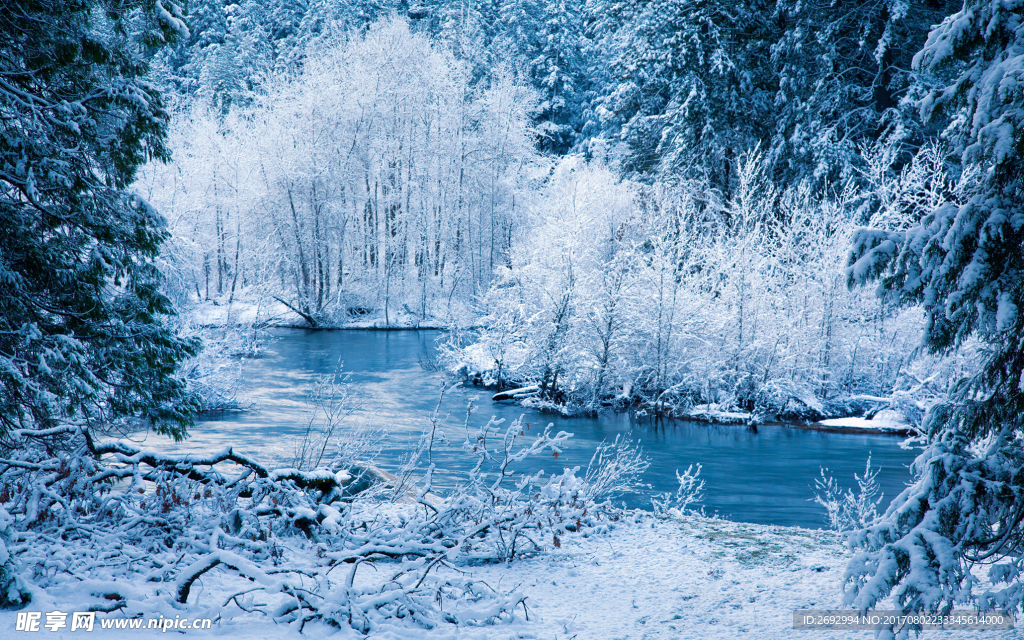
965 265
82 320
549 41
691 86
559 73
235 69
234 47
843 71
466 28
518 27
179 67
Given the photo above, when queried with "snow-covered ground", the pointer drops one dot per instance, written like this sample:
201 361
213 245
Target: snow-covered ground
691 577
886 420
716 415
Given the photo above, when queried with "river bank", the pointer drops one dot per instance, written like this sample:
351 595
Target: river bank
853 414
273 313
875 419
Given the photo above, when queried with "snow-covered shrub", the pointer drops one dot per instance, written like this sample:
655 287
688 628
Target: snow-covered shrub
615 468
846 510
214 374
296 537
215 378
512 514
13 594
689 492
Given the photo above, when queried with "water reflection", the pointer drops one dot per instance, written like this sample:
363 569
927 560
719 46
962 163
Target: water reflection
762 476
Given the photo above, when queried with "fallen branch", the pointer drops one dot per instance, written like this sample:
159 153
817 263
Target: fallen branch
305 316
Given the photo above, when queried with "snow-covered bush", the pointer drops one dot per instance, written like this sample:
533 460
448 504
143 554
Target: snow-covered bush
297 537
846 510
615 468
13 594
214 374
689 492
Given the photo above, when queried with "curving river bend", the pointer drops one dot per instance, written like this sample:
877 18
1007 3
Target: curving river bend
763 477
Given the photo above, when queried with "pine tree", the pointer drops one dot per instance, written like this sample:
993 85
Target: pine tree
965 266
83 336
690 82
180 66
559 73
235 69
843 70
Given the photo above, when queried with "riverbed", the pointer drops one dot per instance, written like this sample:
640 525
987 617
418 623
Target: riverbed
764 476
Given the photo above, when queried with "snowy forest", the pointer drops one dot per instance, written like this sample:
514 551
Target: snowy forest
618 204
778 211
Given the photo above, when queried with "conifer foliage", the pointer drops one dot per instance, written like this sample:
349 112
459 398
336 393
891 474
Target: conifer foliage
82 321
965 265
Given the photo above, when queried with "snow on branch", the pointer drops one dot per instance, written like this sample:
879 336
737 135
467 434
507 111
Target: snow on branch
317 552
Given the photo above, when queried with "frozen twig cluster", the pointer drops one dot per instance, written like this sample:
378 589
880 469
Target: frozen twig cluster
615 468
327 435
689 492
847 510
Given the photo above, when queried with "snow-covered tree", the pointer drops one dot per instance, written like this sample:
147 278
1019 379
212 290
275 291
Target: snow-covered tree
234 48
669 297
843 71
688 87
558 69
964 262
82 318
695 84
376 179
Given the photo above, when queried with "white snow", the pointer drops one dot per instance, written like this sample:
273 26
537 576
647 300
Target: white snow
517 394
885 420
690 577
647 578
712 413
247 308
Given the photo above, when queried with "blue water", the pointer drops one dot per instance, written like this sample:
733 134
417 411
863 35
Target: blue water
764 476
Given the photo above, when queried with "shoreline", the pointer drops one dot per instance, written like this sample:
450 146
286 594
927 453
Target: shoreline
714 417
701 414
295 327
817 426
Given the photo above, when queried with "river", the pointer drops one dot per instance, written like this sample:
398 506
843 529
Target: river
764 476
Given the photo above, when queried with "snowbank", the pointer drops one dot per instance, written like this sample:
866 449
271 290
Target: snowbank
886 421
714 414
